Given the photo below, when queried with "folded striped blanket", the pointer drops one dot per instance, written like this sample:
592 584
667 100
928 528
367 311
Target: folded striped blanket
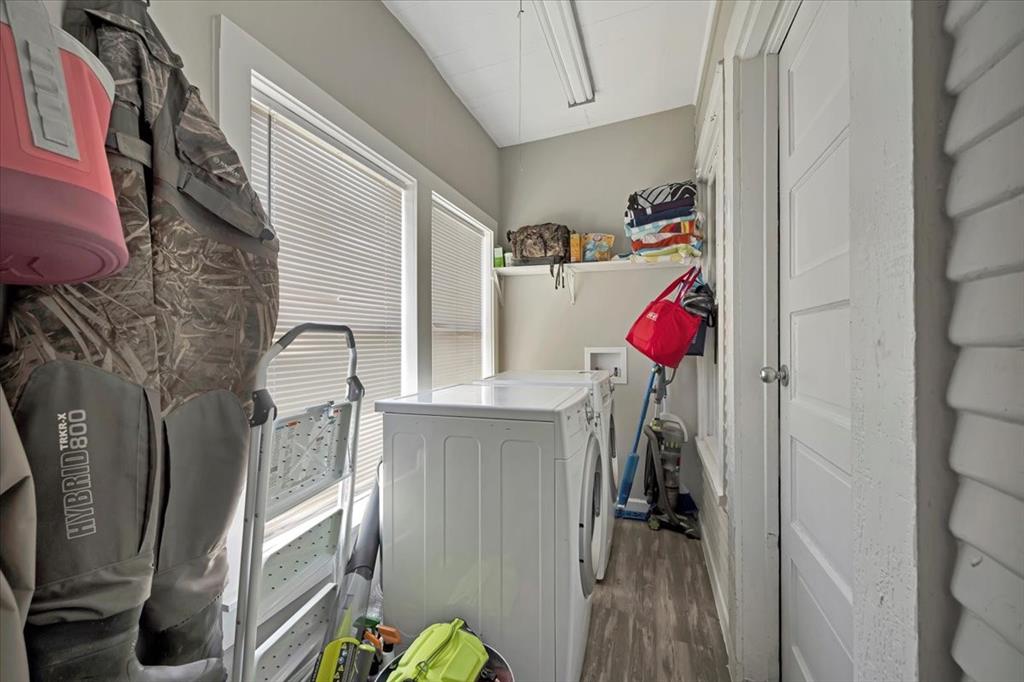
691 249
678 254
659 241
683 226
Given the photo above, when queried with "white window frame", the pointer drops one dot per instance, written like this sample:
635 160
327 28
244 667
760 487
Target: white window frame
247 68
297 115
487 321
239 57
710 439
306 118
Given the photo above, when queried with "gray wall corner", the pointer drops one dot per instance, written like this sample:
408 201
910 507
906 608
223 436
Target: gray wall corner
935 354
583 179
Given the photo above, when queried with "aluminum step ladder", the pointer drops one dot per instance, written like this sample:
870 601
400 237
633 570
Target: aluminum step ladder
293 458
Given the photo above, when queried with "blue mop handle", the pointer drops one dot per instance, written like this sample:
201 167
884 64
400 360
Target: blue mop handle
629 472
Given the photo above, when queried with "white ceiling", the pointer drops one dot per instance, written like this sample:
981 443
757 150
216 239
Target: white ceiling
644 57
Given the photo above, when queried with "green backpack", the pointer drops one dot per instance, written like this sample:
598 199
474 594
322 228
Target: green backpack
444 652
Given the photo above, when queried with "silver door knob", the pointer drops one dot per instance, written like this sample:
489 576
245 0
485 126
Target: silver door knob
770 375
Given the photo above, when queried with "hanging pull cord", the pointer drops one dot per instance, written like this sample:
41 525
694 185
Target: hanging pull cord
519 77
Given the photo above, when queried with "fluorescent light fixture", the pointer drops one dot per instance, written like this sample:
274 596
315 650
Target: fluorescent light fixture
562 32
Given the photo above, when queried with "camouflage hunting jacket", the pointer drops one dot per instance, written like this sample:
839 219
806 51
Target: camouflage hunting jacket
197 303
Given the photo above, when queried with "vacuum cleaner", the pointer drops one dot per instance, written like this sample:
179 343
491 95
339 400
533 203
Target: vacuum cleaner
668 506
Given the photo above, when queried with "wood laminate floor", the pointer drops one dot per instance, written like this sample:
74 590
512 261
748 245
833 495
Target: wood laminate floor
653 617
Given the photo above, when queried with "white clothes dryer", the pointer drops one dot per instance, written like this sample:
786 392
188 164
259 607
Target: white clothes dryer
599 382
488 514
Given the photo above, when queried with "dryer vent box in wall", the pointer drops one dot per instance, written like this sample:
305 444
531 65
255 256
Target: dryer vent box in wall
612 359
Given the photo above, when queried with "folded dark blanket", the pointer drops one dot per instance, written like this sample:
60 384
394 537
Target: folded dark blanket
681 208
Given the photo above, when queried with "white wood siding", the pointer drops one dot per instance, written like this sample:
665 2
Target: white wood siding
986 202
714 522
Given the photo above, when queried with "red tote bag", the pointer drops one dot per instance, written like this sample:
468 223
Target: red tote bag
665 330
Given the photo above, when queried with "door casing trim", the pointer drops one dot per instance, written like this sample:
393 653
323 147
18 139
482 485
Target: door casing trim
750 69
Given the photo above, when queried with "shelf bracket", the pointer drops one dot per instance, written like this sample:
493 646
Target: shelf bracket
497 288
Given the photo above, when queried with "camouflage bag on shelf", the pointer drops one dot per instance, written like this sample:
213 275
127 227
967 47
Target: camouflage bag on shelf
540 244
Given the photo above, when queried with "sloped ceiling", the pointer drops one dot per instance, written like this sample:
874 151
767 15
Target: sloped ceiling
644 57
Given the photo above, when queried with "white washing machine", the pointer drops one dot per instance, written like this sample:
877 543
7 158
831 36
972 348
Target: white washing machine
599 382
488 514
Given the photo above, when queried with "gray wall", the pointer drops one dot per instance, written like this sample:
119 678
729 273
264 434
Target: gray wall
933 296
583 179
359 53
540 329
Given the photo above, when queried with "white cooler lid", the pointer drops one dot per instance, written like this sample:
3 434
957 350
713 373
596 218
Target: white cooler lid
532 402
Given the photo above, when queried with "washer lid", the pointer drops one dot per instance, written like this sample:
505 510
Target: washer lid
550 377
537 403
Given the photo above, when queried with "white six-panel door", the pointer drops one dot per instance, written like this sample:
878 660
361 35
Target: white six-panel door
814 326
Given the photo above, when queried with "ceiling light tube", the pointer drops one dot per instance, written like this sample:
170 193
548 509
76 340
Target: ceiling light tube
561 31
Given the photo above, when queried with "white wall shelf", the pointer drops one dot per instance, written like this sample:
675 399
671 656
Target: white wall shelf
602 266
573 269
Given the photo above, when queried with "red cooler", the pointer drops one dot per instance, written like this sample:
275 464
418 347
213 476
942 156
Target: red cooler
58 216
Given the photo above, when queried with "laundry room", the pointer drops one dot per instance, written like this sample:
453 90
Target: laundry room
511 340
393 355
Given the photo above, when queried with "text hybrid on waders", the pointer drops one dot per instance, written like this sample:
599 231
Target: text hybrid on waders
75 477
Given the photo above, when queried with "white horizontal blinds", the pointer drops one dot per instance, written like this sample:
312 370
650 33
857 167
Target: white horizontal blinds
259 173
339 223
456 274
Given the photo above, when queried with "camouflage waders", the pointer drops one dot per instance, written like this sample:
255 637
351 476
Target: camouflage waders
131 393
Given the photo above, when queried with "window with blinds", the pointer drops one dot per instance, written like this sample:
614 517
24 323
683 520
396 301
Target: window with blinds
339 221
459 256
